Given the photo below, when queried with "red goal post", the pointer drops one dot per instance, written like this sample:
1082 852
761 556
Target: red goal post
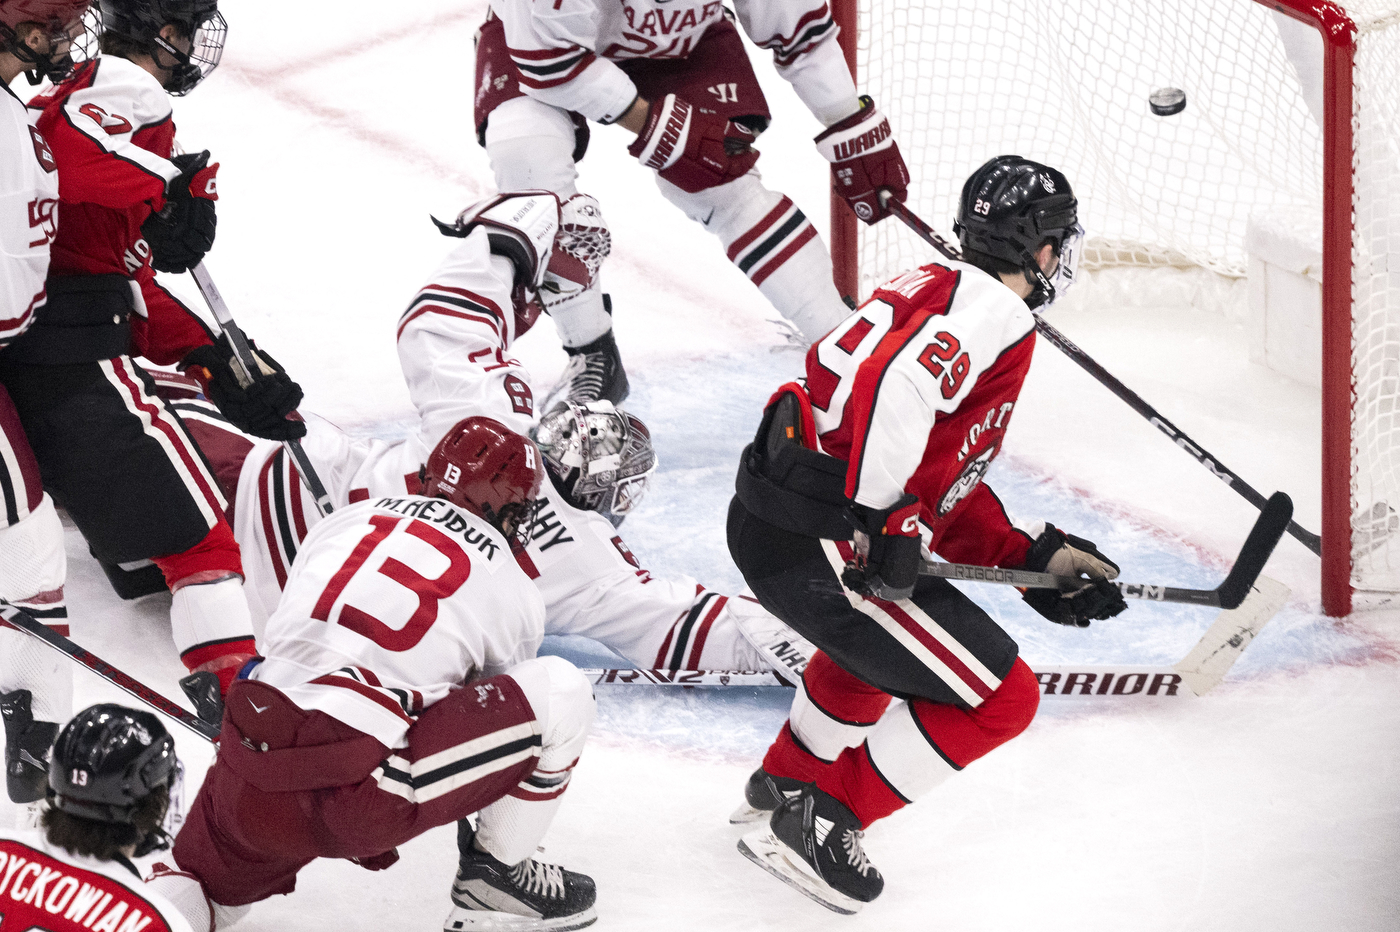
956 79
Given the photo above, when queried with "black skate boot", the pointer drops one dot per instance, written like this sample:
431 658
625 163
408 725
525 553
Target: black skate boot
529 897
762 794
814 844
27 745
594 373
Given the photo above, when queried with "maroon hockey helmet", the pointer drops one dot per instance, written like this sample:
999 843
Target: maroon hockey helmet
66 25
488 469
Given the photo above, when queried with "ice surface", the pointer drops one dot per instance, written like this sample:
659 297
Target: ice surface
1272 804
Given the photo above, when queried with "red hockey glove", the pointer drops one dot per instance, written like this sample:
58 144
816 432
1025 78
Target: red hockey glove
1063 554
888 541
183 230
693 148
864 159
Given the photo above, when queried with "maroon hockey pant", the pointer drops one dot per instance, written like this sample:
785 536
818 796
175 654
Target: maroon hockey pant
290 786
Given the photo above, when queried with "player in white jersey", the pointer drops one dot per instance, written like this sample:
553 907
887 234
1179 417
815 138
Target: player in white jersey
454 342
109 787
36 686
400 692
676 73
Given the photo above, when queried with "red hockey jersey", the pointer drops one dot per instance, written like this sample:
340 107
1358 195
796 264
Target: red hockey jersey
111 132
915 391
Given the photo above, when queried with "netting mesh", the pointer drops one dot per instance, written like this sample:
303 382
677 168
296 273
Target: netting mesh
1067 82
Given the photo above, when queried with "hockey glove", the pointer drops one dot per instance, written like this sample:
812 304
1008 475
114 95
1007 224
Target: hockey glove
183 231
864 159
1063 554
693 148
259 407
887 550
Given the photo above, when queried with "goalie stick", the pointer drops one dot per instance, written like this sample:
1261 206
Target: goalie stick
1260 543
1200 671
243 355
21 620
1086 362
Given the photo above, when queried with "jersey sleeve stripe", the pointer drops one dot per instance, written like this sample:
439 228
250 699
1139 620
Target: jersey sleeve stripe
279 500
812 25
698 647
14 326
273 551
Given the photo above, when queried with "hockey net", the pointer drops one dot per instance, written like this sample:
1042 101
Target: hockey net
1067 82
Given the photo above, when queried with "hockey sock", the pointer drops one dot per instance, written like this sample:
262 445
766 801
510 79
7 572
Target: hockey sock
963 735
860 787
774 244
33 565
212 628
581 318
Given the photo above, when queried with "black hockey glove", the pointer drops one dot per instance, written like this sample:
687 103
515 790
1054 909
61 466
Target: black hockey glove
1063 554
887 550
259 408
183 231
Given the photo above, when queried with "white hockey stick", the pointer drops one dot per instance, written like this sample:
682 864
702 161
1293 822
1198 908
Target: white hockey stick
1198 672
243 356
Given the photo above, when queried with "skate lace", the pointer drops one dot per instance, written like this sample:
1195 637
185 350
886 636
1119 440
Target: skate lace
855 854
585 376
539 878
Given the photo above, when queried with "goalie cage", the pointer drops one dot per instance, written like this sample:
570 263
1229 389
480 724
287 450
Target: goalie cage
952 76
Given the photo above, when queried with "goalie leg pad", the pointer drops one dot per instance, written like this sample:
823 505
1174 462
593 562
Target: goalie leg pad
510 828
773 243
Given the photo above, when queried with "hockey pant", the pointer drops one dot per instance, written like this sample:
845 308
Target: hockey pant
121 463
532 144
290 786
961 688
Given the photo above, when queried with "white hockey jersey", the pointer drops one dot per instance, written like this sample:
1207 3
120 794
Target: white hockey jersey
453 341
565 50
391 604
28 216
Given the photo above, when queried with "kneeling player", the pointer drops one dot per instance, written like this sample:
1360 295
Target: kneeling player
904 407
454 342
109 787
400 691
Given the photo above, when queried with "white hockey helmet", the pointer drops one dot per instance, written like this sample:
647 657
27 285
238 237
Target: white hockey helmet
599 456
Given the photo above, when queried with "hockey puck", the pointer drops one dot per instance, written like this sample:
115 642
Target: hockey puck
1167 101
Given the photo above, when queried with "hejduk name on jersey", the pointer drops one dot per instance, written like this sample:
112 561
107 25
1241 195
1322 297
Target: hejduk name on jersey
450 520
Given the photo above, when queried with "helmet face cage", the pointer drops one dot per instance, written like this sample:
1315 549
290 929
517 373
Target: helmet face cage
206 49
70 27
602 457
198 20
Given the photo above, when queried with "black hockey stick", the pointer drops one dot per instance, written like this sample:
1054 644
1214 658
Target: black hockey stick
1107 380
22 621
1262 539
243 354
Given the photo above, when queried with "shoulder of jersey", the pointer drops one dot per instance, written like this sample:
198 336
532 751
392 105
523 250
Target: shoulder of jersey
132 91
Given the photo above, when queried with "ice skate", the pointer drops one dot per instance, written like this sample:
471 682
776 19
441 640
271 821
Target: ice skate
594 373
27 745
814 844
762 794
530 897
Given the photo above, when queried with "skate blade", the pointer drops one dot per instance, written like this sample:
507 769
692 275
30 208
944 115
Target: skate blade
747 815
485 920
767 852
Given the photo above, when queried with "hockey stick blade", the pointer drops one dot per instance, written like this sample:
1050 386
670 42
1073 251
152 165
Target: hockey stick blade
21 620
1260 543
621 677
1105 378
1232 631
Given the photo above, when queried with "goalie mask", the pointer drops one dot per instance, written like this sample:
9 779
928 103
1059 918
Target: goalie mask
556 249
490 470
601 459
1012 206
64 24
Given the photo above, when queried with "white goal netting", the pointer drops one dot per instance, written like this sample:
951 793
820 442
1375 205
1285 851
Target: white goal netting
1067 82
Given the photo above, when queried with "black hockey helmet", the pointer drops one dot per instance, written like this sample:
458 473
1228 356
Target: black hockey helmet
107 760
1012 206
199 20
66 26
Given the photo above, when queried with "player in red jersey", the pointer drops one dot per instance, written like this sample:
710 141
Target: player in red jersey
857 476
400 692
36 686
109 787
676 73
109 450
